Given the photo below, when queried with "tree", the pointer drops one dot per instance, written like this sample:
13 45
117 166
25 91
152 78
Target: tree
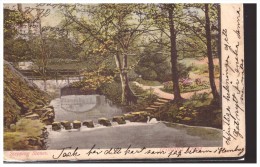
15 49
154 63
174 54
114 30
204 33
210 57
167 17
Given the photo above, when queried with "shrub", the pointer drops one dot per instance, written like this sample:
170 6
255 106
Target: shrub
25 128
30 127
112 91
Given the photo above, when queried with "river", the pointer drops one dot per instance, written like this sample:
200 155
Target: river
92 107
150 135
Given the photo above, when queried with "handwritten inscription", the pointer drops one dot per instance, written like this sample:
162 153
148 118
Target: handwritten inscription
173 153
65 153
233 82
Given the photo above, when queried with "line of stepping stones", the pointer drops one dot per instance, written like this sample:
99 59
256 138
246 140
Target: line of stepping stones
88 123
138 116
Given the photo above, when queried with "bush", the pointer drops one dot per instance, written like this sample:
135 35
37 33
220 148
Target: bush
30 127
112 91
25 128
190 87
202 96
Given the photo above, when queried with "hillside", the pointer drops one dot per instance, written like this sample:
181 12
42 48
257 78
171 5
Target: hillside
26 111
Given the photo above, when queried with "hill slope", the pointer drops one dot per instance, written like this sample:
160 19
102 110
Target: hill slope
21 96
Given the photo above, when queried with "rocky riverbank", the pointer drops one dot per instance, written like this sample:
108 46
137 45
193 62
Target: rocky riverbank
26 111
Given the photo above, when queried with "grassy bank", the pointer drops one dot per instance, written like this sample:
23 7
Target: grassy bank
197 111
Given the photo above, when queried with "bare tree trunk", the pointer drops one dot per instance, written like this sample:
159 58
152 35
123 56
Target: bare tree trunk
44 54
174 56
128 96
210 57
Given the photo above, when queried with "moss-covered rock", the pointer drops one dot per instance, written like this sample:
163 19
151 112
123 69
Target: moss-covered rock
48 115
66 125
56 126
76 124
119 119
88 123
104 122
128 116
140 116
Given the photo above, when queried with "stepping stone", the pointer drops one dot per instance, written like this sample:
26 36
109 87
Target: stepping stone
145 113
119 119
139 116
158 103
76 124
104 122
151 109
128 116
88 123
163 100
154 106
66 125
56 126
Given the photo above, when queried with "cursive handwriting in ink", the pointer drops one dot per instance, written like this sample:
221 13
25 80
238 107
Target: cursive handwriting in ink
222 150
94 151
66 153
237 31
133 151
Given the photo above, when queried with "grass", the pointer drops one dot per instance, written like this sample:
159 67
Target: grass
17 138
145 98
203 133
191 88
148 83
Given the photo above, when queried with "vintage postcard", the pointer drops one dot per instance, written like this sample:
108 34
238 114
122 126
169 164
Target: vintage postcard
123 81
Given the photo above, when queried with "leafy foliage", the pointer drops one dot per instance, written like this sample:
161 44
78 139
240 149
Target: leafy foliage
93 80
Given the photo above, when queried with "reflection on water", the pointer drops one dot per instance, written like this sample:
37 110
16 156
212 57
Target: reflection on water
79 103
83 111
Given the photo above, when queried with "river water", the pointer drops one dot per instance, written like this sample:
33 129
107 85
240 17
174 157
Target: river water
92 107
83 107
137 135
150 135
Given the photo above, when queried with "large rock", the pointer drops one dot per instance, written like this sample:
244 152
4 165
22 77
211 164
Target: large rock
128 116
140 116
76 124
119 119
41 111
88 123
104 122
56 126
48 114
